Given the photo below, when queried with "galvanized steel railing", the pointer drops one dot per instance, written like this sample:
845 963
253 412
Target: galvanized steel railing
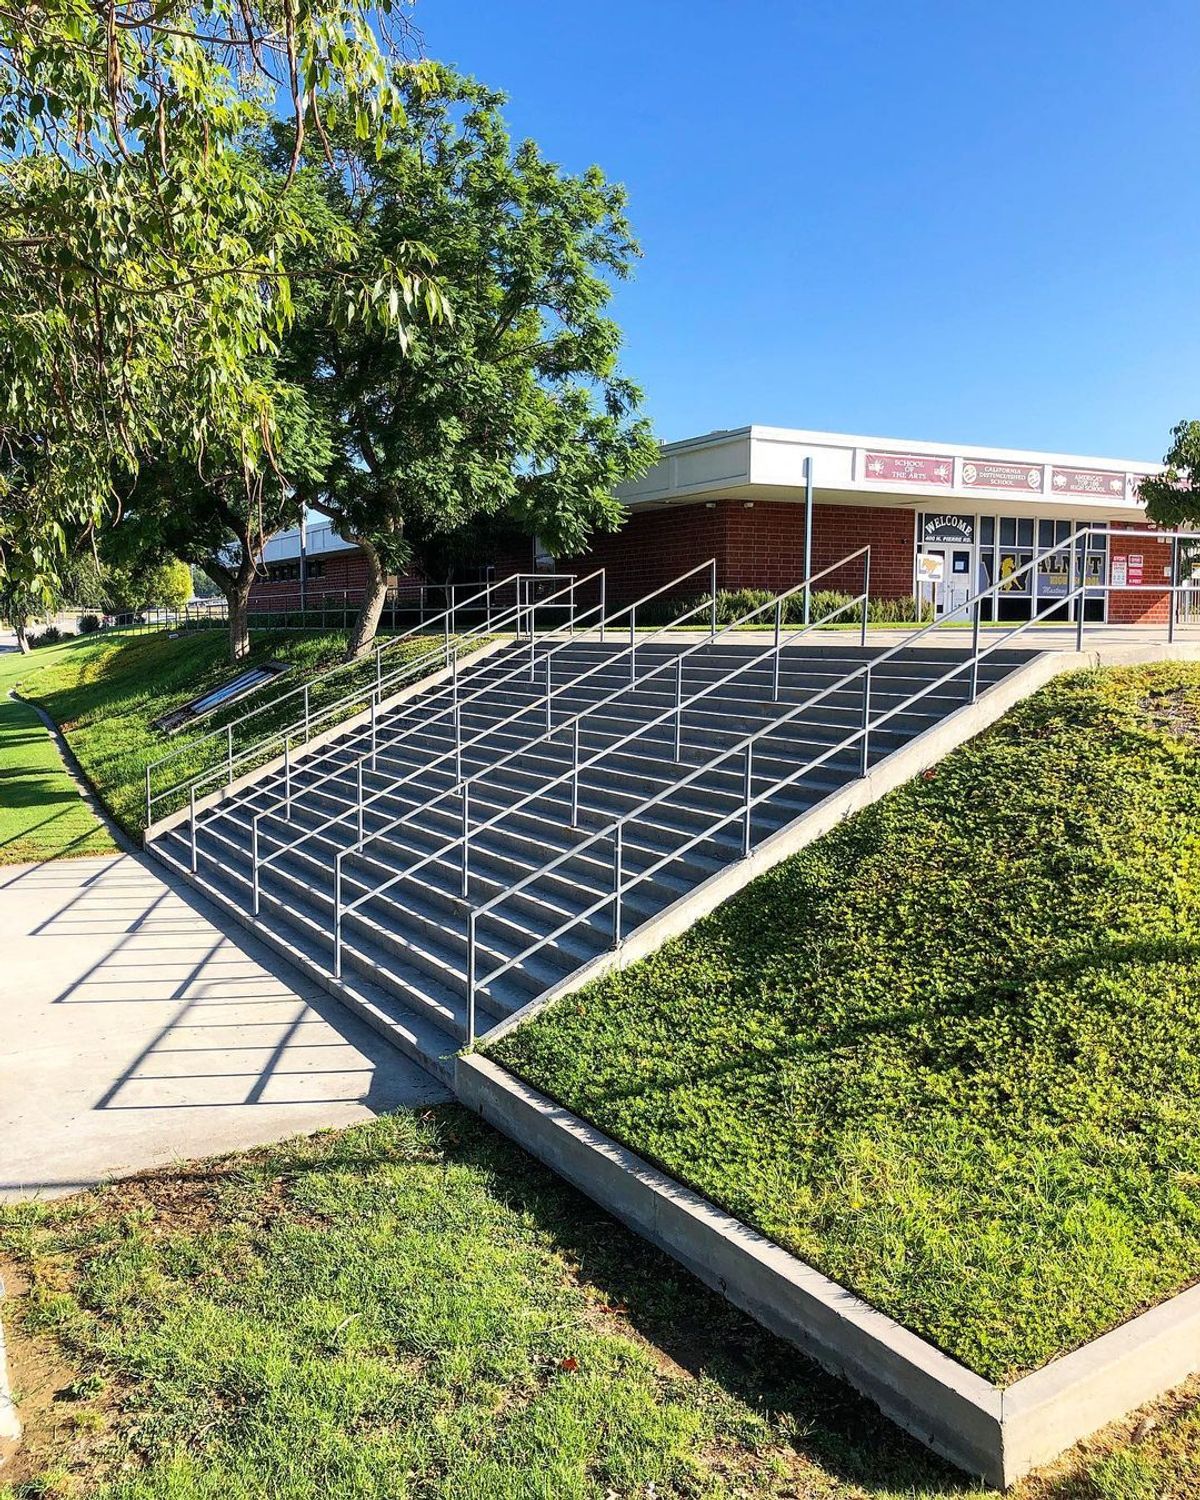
462 788
522 615
614 831
454 712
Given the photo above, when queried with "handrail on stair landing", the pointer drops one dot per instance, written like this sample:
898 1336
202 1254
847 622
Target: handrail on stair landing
675 664
745 748
522 609
454 711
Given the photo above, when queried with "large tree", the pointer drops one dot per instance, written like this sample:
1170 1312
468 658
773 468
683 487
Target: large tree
514 407
211 517
146 261
1172 498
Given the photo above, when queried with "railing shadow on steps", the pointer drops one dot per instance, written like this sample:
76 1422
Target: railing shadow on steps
461 790
520 616
613 833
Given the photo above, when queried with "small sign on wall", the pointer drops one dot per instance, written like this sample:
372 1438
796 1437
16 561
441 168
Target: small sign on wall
931 567
1118 575
1136 567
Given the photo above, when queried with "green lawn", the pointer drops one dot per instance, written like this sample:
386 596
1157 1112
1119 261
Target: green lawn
951 1053
105 692
41 813
412 1309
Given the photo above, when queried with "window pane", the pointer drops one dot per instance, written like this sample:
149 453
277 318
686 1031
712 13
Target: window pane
1025 533
1008 531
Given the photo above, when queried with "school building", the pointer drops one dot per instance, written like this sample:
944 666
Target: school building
773 504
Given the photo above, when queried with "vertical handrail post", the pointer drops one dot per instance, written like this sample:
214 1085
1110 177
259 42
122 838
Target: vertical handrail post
361 801
866 603
229 753
712 604
571 630
287 777
633 642
1078 582
254 859
378 666
976 611
147 796
306 713
778 647
575 777
466 839
748 789
337 915
549 717
193 827
617 879
458 775
471 978
374 732
866 723
1174 599
678 707
603 603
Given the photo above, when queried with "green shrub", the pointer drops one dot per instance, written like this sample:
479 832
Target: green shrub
89 624
51 636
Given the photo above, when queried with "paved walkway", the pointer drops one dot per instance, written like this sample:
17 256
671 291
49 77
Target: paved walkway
139 1027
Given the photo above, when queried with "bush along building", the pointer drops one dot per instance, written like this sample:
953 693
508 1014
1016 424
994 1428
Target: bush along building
773 504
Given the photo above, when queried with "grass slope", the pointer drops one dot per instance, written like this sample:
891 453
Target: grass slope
42 815
105 692
412 1308
949 1054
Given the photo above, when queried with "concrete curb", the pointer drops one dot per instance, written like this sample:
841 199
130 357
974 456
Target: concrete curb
998 1433
950 1408
10 1421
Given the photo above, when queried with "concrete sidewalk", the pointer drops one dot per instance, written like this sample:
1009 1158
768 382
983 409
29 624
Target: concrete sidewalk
139 1027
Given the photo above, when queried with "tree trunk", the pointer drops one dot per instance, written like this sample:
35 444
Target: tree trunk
22 637
236 589
375 596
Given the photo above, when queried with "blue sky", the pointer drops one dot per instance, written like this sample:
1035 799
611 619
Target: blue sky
954 221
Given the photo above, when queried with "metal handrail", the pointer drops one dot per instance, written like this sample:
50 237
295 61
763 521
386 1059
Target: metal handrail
407 669
573 722
460 745
614 830
454 708
304 691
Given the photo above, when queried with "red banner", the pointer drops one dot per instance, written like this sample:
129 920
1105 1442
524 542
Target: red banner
988 474
1088 482
910 468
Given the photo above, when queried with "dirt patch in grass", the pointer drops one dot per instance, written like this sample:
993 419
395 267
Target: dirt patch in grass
1175 711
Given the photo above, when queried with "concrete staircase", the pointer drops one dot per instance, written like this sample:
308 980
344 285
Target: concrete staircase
404 952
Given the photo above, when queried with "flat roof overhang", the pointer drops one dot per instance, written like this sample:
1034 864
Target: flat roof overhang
748 464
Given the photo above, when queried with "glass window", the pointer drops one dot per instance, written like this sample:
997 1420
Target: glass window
1045 533
1008 531
1025 533
987 530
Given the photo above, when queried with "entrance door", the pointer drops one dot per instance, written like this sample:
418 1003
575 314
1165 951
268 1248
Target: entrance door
958 576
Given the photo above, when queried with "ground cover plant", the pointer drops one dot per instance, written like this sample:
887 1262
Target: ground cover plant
947 1054
42 815
412 1308
105 692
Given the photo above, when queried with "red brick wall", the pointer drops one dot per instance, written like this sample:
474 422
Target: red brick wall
760 546
1136 608
653 547
343 573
